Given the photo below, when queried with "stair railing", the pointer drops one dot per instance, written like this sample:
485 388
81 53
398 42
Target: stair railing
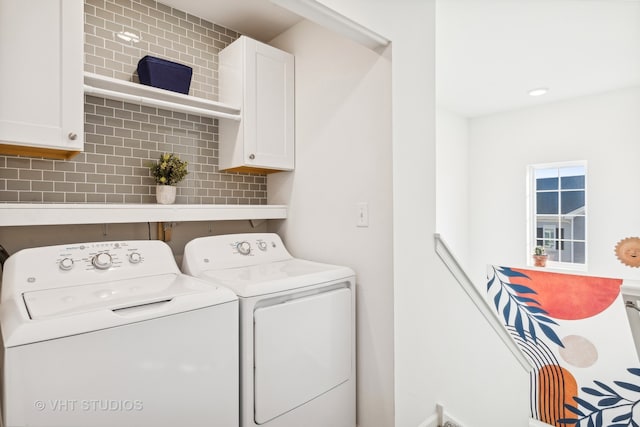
454 266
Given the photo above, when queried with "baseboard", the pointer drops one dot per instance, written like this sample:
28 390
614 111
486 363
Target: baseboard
432 421
537 423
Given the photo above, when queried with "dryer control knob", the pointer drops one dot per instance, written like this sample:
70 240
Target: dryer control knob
244 248
135 257
102 261
262 245
66 264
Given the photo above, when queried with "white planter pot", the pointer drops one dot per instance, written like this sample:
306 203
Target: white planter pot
165 194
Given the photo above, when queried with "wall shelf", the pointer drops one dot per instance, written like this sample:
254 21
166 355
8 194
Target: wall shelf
121 90
21 214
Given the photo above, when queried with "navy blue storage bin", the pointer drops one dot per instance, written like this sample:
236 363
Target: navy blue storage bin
164 74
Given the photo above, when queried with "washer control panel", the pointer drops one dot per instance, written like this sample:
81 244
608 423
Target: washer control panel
232 251
98 256
85 263
253 246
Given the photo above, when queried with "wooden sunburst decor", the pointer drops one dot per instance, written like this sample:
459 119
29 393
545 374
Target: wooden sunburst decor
628 251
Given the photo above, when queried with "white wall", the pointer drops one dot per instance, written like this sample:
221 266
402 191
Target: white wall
604 130
343 157
452 197
444 351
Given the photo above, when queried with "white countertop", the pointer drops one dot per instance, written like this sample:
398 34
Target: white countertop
17 214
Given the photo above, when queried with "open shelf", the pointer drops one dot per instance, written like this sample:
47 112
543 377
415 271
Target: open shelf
136 93
20 214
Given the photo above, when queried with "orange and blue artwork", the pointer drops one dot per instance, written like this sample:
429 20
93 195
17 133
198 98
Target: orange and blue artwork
574 330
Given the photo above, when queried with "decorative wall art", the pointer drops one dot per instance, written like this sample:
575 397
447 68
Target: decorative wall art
575 332
628 251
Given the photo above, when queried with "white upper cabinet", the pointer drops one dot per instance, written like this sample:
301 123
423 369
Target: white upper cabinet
41 78
259 79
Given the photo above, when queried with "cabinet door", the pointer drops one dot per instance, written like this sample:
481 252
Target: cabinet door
41 77
268 112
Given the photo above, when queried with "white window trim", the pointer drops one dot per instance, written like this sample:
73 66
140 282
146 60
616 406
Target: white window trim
531 215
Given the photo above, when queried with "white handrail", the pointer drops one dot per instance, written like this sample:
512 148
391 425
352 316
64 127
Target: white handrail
480 302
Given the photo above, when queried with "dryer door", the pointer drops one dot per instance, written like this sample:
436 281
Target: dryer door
302 350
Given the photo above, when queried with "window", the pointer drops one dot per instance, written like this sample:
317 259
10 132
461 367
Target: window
559 211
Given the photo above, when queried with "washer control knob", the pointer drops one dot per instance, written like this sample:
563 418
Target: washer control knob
262 245
135 257
244 247
102 261
66 264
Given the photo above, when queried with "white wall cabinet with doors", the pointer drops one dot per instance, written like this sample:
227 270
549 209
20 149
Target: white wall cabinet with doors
259 79
41 81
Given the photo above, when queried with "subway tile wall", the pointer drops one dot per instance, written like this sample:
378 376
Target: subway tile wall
122 139
165 32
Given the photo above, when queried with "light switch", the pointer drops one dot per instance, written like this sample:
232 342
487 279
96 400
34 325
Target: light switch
362 219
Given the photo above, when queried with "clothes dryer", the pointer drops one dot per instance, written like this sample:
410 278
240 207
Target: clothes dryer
297 329
113 334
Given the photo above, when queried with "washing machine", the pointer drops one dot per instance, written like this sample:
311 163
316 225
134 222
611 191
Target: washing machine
113 334
297 329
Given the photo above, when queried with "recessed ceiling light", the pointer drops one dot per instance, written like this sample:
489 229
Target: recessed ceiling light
538 92
128 36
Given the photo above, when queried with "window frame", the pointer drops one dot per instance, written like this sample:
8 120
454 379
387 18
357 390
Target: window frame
532 237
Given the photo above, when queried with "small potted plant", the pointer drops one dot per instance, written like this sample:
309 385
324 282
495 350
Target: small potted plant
167 172
540 256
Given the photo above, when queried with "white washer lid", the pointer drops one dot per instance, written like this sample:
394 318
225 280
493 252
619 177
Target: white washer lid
110 295
58 312
277 276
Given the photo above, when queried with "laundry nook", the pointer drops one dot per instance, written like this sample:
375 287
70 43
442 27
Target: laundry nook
153 272
319 213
